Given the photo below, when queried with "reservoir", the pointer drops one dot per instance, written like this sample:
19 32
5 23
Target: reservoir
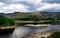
24 30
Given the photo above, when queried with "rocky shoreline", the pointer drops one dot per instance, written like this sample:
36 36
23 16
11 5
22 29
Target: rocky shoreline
44 34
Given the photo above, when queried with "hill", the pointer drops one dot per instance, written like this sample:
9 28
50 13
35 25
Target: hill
28 15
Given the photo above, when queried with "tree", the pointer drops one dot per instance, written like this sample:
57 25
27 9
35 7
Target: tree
4 21
34 18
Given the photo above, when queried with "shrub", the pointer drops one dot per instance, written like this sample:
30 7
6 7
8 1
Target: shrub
55 35
4 21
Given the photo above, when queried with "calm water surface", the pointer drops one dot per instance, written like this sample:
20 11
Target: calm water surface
24 30
5 35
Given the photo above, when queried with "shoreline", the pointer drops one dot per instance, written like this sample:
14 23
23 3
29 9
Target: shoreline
7 27
37 25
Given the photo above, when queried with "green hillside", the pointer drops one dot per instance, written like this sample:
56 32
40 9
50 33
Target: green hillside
4 21
36 15
46 17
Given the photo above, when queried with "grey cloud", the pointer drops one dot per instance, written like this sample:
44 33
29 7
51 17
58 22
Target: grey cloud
5 1
52 10
44 1
32 6
51 1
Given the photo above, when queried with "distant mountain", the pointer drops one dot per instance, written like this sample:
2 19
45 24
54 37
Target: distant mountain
22 14
8 14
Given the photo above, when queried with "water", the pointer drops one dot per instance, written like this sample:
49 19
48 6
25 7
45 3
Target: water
23 30
7 33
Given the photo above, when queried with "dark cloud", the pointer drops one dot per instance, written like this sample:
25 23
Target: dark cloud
52 10
51 1
5 1
32 5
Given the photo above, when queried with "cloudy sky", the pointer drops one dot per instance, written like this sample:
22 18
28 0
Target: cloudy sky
9 6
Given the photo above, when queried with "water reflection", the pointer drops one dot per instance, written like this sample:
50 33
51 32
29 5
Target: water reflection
24 30
6 35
